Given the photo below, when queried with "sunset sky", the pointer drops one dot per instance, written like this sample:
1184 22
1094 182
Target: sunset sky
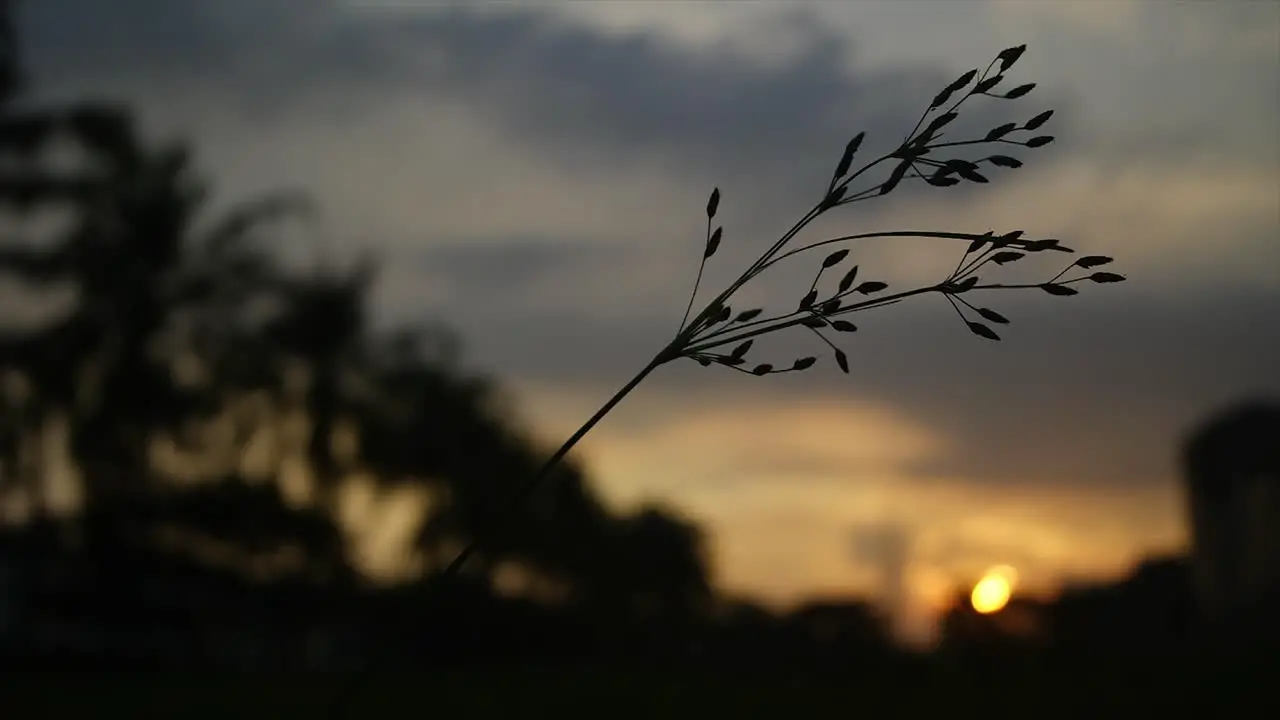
535 175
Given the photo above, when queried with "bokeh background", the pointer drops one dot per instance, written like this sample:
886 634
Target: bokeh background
533 175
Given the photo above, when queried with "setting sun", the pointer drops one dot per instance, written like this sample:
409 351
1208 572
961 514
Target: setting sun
991 593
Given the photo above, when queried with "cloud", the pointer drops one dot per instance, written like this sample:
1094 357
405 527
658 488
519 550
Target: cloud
536 177
1025 410
1111 16
603 106
510 163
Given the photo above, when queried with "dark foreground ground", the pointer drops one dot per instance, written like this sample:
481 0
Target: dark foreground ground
952 689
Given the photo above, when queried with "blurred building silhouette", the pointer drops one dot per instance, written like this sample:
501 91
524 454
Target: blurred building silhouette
1224 594
1232 467
8 603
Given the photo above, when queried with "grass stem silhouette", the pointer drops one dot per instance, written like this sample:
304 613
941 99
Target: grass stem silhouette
534 481
717 326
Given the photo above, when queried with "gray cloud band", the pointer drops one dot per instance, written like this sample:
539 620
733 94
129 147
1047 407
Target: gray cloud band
1088 391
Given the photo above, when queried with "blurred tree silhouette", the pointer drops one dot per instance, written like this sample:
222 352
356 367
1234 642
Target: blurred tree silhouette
193 372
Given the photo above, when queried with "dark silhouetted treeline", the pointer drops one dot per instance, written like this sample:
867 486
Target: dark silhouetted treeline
192 370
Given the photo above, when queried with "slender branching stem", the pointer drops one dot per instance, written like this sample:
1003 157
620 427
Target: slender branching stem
535 481
978 261
730 337
898 233
486 534
822 337
696 337
952 301
697 281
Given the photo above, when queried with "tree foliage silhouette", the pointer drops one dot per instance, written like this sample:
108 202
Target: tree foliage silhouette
186 331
